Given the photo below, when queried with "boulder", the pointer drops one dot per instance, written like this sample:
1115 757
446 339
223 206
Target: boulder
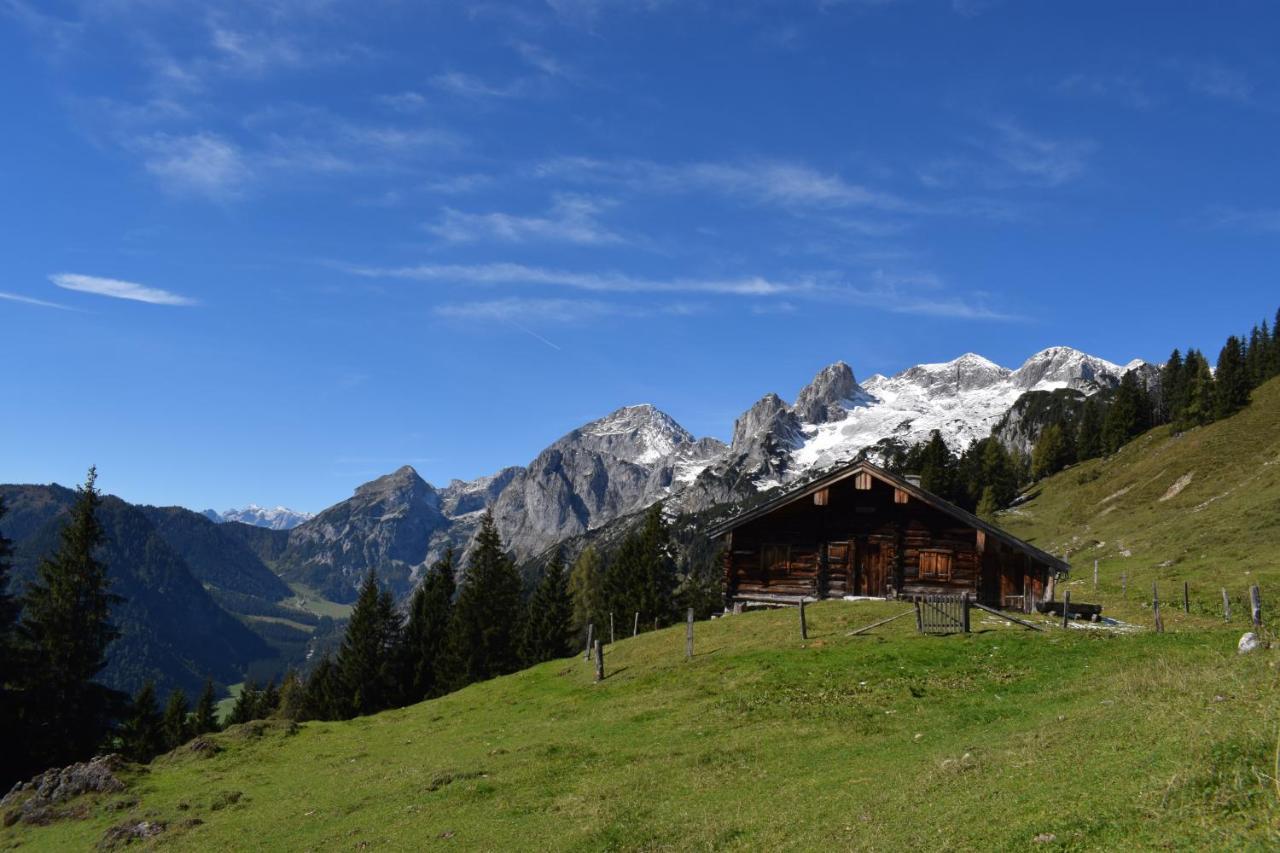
1248 643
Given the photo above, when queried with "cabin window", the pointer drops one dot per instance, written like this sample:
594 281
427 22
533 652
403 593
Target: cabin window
862 482
773 558
936 565
820 497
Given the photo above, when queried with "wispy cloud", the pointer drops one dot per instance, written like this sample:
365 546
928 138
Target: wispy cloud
541 60
1218 81
470 86
1039 158
31 300
201 163
404 102
118 289
1261 220
904 293
567 311
1122 88
571 219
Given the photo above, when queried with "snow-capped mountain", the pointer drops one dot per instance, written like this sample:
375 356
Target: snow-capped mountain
625 461
962 399
276 518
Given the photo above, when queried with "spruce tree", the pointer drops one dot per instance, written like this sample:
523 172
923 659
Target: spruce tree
1231 382
987 505
427 632
268 701
66 629
205 718
1089 431
14 739
293 697
176 726
1051 453
367 660
1255 357
1200 405
640 577
586 588
245 708
1128 416
142 736
1173 389
485 629
998 474
937 467
548 622
324 698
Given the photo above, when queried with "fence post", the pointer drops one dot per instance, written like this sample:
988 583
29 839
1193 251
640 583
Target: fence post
1226 605
590 630
1186 597
635 629
964 602
1095 574
804 629
1124 584
612 638
1255 606
599 662
1155 605
1066 608
688 635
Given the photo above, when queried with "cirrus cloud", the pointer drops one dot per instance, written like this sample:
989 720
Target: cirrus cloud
118 289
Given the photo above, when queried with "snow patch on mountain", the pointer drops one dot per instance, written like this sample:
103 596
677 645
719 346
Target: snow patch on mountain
275 518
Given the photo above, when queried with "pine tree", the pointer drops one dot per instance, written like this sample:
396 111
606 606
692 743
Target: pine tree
1173 389
586 588
367 660
142 735
485 629
1051 453
998 474
1255 357
640 577
426 635
66 629
325 699
293 697
245 708
205 719
937 467
1128 416
1231 382
268 701
1089 431
176 726
987 505
1200 406
548 622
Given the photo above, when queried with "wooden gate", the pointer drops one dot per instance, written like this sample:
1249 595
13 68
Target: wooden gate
942 614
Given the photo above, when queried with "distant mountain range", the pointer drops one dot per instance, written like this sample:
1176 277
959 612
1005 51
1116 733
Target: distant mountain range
625 461
279 518
223 594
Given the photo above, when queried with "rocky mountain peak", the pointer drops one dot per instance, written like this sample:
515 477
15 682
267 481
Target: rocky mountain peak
643 434
1066 367
821 400
766 414
969 372
402 479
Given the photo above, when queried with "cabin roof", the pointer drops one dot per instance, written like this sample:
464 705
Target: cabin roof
920 494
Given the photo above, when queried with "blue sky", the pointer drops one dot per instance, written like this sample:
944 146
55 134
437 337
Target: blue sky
264 251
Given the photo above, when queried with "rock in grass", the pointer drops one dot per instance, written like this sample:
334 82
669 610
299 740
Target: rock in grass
35 800
1248 643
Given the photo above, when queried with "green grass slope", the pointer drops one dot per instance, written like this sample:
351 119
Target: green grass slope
1201 507
1081 739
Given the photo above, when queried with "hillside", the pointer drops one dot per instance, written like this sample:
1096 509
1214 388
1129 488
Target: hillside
1201 507
1084 739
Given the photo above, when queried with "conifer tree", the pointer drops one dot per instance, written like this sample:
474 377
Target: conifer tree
1051 453
176 726
205 718
245 708
1128 416
1200 406
485 629
268 701
324 695
549 618
427 632
586 588
293 697
987 505
1173 389
66 629
14 739
367 660
998 474
640 577
937 466
142 735
1089 431
1255 358
1231 382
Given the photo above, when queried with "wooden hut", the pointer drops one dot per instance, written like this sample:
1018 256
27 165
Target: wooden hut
860 530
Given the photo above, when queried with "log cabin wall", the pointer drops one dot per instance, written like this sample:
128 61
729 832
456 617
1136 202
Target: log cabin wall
847 540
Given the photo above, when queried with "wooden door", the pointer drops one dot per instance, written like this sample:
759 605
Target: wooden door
838 563
871 568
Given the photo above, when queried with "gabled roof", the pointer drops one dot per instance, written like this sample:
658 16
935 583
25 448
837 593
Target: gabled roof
862 466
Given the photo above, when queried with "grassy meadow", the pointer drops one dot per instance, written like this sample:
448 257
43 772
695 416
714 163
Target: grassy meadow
1003 739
